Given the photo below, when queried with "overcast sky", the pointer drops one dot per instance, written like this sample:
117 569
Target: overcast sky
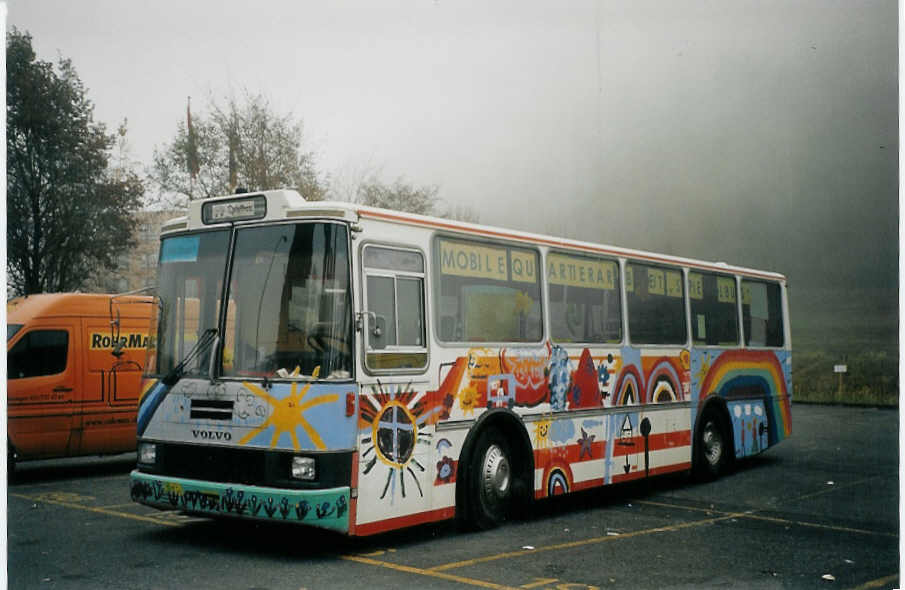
759 133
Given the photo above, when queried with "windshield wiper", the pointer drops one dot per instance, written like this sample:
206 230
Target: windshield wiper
207 338
149 403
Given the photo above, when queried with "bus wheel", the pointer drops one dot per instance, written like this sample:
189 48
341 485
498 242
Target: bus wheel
712 446
491 480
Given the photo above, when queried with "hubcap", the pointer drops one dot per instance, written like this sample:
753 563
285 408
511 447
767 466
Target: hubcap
495 473
713 443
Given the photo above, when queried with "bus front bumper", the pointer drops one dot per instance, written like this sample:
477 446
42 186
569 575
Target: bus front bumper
325 508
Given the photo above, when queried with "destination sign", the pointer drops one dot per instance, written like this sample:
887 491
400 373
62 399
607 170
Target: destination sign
241 209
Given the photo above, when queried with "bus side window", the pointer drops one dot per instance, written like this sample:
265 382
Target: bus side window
656 305
396 335
487 292
762 314
584 299
714 309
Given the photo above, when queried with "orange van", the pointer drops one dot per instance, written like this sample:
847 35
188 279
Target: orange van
74 366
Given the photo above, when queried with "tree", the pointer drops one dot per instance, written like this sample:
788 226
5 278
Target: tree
461 213
362 184
237 143
69 212
400 196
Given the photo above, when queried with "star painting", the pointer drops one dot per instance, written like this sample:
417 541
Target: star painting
585 443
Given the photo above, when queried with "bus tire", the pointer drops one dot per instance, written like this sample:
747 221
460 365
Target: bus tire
491 482
712 446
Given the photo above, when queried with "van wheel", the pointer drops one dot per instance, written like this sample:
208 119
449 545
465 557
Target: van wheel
10 461
490 481
712 446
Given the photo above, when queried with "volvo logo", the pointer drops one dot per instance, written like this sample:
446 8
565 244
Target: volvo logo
212 434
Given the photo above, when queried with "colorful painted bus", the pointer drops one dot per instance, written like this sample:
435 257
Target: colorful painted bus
362 370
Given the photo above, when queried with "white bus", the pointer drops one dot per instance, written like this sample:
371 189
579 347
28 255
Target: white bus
361 370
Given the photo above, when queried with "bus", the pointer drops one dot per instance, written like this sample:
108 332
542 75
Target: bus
361 370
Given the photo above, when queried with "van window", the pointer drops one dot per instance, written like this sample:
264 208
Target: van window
714 309
394 297
487 292
38 353
656 304
12 330
762 313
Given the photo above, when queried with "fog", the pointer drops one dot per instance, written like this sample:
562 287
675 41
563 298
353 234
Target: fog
757 133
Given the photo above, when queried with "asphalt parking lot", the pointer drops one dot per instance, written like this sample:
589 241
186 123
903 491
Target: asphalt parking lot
818 511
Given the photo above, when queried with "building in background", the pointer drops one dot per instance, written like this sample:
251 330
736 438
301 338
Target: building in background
136 267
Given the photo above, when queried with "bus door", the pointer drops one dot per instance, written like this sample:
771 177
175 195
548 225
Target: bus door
43 381
395 442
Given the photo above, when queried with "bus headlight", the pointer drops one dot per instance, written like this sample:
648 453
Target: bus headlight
303 468
147 453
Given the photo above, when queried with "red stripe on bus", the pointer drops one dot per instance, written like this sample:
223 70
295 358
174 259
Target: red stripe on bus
640 472
353 502
372 528
353 514
619 478
586 485
656 442
571 453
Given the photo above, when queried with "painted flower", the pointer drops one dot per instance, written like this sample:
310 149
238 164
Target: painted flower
444 469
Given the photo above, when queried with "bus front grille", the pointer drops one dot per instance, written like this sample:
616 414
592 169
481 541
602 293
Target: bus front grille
210 409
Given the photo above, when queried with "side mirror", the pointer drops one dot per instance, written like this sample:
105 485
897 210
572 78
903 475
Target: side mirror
377 340
118 344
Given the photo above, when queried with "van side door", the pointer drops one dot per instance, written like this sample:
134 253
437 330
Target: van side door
42 378
112 385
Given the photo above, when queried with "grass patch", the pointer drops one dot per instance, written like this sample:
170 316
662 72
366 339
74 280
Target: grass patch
859 329
872 378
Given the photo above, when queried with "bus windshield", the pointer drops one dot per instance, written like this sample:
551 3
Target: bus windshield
189 290
290 309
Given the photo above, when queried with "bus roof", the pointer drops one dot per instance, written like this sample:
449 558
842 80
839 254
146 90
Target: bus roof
45 305
288 204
